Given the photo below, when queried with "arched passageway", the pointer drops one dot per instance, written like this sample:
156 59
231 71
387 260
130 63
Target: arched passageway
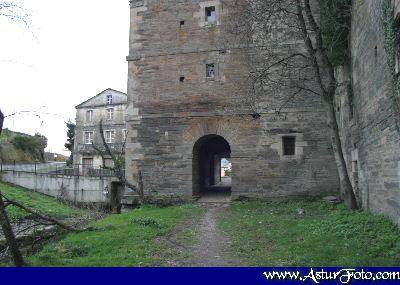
211 166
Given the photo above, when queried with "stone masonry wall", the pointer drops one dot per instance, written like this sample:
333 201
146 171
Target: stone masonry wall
371 137
167 116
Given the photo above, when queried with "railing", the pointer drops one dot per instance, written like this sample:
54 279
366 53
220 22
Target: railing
58 169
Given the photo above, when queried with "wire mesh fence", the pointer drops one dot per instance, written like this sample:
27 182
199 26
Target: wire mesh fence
58 168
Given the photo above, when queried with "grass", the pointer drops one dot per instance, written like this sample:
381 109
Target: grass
128 239
275 234
36 201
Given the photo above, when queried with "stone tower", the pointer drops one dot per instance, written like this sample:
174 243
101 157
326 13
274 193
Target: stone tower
187 111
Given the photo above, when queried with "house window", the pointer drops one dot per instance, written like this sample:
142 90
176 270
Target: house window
109 99
110 136
89 115
110 114
210 70
88 137
289 145
211 16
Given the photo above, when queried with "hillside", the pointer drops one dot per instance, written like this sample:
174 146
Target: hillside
21 147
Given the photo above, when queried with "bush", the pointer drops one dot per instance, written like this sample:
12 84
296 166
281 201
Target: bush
33 145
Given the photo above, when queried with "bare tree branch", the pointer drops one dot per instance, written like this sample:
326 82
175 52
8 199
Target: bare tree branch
36 215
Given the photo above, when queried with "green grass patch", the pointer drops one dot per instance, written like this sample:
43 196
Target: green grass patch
275 234
36 201
128 239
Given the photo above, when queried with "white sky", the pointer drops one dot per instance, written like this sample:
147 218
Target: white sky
75 49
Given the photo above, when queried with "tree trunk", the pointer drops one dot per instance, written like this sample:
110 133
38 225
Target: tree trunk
1 121
115 197
345 183
5 223
10 237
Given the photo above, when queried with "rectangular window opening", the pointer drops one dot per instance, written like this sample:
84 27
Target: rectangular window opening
210 70
88 138
289 145
211 16
109 99
110 136
182 23
110 113
89 116
182 79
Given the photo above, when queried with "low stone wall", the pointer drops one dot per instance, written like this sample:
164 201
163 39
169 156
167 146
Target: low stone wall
71 188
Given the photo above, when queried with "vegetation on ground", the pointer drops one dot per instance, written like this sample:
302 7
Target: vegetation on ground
36 201
129 239
280 234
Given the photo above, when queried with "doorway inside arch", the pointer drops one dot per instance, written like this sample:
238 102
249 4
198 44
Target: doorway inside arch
212 167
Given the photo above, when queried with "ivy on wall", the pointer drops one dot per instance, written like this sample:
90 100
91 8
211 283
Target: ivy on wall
392 39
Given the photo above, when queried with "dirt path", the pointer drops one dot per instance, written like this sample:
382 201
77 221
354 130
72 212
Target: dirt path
209 245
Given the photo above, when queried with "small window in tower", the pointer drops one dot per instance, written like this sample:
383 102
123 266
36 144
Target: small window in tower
210 70
182 23
289 145
182 79
211 16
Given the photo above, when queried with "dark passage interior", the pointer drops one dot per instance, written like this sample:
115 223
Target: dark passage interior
211 166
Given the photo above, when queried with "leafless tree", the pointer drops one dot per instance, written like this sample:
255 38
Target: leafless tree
118 168
14 12
289 57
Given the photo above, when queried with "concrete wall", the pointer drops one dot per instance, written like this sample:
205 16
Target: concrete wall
371 137
75 189
166 117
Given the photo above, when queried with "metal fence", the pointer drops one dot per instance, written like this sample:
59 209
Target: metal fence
58 169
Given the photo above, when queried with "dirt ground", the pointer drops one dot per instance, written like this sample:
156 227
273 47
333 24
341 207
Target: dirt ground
207 245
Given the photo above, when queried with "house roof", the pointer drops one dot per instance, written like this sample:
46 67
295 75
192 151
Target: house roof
119 98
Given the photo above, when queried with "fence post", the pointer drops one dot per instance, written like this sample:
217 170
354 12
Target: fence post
56 170
1 166
14 167
35 169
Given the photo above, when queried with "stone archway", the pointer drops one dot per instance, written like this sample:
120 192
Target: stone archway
208 152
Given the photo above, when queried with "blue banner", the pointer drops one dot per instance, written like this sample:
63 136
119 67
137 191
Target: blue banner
203 276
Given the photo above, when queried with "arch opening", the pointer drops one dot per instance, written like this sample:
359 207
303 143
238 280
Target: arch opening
212 166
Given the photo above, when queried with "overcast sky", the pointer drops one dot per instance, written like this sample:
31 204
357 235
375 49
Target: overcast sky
75 49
